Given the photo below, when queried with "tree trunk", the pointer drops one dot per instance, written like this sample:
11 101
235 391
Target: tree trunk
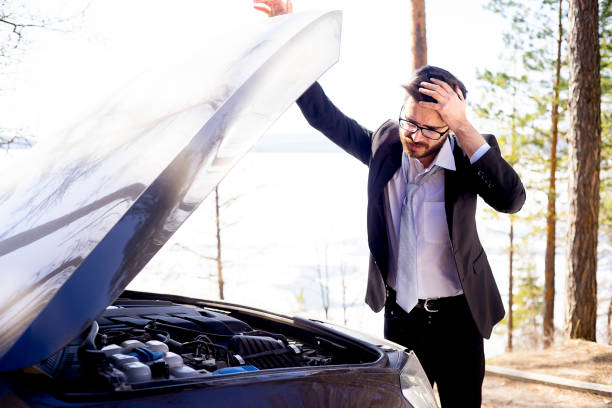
344 304
219 263
326 300
419 39
584 161
610 321
324 291
551 217
510 284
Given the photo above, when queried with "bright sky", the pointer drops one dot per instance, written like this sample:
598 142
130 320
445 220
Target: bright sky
62 74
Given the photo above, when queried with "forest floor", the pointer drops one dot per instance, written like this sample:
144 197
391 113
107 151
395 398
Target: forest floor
573 359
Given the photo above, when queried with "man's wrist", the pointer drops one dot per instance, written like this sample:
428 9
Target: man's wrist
479 153
468 137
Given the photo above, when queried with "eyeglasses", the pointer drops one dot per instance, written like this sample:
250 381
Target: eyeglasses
413 127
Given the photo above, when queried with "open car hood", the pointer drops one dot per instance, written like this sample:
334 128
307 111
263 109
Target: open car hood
94 207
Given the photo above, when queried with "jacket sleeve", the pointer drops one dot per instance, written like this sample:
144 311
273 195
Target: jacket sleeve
496 181
321 113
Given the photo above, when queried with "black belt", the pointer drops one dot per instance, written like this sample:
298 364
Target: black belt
443 303
430 305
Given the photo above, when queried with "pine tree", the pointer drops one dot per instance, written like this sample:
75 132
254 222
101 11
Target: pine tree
497 86
584 161
419 36
604 250
537 56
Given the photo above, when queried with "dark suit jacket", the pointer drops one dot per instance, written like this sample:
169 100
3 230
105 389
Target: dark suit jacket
491 177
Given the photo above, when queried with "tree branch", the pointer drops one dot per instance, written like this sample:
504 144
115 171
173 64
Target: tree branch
17 27
6 142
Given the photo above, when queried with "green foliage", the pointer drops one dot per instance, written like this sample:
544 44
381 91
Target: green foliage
519 103
528 308
527 299
519 99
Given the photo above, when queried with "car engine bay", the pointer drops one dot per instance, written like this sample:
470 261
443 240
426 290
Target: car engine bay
139 343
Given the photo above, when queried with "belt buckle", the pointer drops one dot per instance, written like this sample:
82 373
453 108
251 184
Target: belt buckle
426 306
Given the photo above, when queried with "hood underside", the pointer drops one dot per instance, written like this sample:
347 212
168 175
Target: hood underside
95 206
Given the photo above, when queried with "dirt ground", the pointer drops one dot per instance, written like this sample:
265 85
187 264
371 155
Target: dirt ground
500 392
575 359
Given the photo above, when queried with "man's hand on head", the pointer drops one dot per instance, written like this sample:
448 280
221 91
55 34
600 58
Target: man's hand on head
274 7
451 107
450 103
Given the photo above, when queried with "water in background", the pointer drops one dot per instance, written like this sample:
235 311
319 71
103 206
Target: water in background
293 230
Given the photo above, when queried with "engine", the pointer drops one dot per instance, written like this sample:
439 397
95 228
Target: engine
137 342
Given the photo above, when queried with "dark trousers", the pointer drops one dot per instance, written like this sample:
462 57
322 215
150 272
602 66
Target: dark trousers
448 345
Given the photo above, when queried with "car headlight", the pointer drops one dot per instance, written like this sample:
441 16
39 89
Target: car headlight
415 385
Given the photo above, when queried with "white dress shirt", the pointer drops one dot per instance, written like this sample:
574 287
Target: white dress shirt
436 269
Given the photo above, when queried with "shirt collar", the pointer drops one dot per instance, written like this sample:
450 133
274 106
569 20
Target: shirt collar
445 158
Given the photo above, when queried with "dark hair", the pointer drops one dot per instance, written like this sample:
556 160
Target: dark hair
425 74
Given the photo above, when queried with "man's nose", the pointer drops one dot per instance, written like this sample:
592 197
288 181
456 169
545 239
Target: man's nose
417 136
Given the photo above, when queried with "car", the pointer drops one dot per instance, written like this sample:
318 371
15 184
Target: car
97 203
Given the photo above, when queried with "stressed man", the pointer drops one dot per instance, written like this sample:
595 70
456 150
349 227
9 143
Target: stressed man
427 267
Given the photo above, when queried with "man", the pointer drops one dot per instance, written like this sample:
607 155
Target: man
427 266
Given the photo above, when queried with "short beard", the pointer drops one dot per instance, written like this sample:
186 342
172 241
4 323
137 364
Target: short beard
432 151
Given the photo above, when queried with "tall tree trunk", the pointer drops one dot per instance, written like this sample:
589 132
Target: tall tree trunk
551 217
419 39
510 284
344 304
219 263
584 161
326 286
324 291
513 142
610 321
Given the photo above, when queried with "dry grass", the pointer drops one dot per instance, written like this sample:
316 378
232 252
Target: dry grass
500 392
576 359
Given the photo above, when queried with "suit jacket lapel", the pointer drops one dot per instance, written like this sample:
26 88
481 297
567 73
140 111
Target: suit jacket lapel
452 182
450 198
382 168
386 159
